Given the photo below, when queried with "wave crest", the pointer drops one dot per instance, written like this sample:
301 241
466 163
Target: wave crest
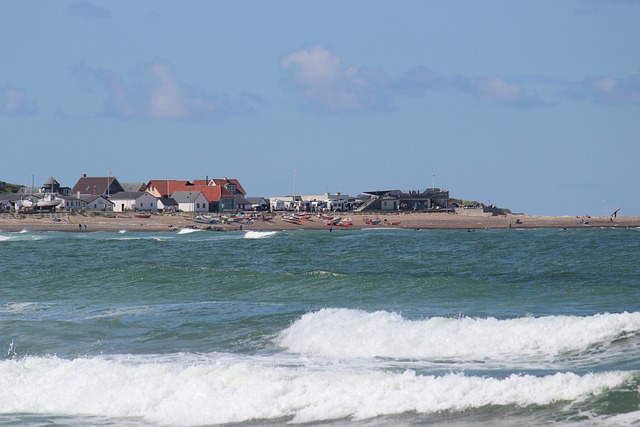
228 390
349 333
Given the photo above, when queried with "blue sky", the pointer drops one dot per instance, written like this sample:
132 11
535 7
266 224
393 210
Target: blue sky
530 105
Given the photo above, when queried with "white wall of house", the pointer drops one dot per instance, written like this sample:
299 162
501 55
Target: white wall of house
146 202
70 204
100 204
121 205
167 208
197 203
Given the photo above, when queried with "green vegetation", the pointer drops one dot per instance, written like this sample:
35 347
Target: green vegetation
461 202
5 187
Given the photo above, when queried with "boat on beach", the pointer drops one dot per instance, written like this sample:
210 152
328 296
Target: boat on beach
47 202
371 221
206 219
333 221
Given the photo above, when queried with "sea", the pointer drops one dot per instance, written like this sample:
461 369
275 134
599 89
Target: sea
374 327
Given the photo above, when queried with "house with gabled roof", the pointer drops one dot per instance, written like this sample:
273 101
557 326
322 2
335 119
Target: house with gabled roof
53 186
71 203
96 202
97 185
167 204
258 203
134 201
229 186
191 201
166 187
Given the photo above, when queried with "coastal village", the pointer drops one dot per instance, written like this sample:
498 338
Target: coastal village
222 204
211 196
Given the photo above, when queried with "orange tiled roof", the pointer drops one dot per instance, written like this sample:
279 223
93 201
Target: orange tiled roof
213 194
168 186
222 182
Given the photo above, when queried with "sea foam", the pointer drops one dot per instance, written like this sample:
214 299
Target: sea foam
188 230
259 234
227 390
346 333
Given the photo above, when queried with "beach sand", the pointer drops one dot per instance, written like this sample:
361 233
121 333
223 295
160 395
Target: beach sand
90 223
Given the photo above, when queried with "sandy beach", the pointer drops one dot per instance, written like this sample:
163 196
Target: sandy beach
76 222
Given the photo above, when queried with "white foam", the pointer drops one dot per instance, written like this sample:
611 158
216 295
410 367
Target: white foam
22 307
259 234
348 333
188 230
187 391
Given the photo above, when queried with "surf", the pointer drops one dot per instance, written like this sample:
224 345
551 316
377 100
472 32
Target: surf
349 333
227 389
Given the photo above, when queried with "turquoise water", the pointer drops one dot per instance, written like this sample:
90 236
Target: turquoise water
374 327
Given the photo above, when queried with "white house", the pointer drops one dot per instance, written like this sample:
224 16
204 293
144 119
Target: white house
257 203
167 204
191 201
96 202
134 201
71 203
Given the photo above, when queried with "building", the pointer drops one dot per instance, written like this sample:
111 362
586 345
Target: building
166 187
134 186
257 203
99 203
71 203
396 200
191 201
97 186
134 201
222 195
52 186
167 204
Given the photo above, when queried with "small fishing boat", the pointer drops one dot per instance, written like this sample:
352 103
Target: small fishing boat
140 215
291 219
333 221
47 202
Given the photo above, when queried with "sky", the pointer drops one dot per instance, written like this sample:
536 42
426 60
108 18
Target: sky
530 105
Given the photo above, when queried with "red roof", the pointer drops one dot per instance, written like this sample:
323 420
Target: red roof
167 187
213 194
221 183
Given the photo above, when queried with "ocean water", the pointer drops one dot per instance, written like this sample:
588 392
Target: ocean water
378 327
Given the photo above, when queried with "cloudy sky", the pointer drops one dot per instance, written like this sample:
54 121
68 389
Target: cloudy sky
529 105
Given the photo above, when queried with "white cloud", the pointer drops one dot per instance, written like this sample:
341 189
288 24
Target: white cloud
323 82
614 90
14 102
499 91
157 94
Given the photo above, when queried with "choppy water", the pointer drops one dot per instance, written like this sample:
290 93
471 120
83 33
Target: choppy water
355 327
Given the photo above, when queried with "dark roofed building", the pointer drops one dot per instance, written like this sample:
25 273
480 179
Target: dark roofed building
97 185
134 186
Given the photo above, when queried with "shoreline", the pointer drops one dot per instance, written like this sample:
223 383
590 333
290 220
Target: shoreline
77 222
